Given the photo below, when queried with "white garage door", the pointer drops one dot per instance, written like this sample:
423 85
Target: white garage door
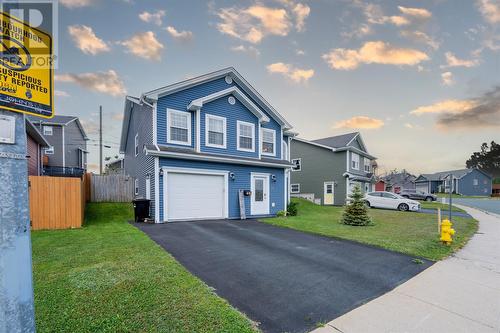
422 187
194 196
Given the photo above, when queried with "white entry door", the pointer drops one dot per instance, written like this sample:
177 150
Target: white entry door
195 196
260 194
328 193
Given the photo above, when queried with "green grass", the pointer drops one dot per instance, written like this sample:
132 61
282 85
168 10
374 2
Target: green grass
110 277
411 233
453 196
436 205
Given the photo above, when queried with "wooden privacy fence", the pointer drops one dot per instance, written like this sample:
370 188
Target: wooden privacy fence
56 202
111 188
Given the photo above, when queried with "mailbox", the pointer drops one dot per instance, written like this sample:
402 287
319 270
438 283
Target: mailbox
247 193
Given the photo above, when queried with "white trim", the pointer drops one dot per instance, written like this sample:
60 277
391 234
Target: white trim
313 143
224 173
289 148
148 187
281 140
252 189
44 127
258 141
274 141
285 194
207 129
325 184
300 164
170 89
157 189
189 129
198 103
136 144
292 191
238 123
198 131
63 148
155 124
195 157
136 186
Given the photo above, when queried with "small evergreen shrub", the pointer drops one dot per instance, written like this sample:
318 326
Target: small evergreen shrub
356 212
281 213
292 209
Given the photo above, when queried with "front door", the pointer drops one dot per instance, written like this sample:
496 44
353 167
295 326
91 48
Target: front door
328 193
260 194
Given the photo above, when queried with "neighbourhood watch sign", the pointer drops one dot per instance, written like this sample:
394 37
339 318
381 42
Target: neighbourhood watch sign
26 71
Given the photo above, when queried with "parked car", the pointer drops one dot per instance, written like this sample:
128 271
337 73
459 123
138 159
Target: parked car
388 200
417 195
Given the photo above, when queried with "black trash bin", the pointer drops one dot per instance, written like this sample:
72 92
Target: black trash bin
141 209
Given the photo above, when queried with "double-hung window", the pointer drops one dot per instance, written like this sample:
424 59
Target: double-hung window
268 138
215 135
47 130
246 136
355 161
367 164
179 127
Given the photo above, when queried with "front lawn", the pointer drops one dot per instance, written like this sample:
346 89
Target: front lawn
436 205
411 233
110 277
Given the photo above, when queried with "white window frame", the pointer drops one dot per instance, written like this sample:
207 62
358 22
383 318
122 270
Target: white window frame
262 141
300 164
291 188
136 186
189 129
238 123
224 133
136 144
49 151
367 163
48 130
475 182
355 165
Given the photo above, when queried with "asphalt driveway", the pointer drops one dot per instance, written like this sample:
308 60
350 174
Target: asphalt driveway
285 280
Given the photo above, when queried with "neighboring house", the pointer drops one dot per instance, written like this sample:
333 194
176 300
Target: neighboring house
496 190
35 145
464 182
115 167
326 170
396 182
67 154
193 145
380 185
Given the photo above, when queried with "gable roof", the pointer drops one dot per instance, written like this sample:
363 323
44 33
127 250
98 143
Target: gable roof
34 133
338 141
397 178
130 101
229 71
444 174
59 120
335 149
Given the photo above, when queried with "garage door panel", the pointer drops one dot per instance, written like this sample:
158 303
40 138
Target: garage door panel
195 196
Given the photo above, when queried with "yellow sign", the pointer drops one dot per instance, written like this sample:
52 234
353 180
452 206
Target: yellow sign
26 74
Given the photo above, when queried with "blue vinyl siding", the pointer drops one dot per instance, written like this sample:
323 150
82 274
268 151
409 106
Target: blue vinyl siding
466 184
181 99
241 181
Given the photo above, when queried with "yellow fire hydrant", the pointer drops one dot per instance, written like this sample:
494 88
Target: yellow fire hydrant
446 232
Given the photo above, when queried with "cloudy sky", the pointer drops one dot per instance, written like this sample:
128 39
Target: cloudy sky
419 79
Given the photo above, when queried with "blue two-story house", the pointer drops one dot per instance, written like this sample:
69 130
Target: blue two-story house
192 146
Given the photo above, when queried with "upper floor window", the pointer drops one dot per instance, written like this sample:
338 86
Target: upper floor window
136 144
475 182
47 130
215 135
268 141
246 136
297 164
49 151
179 127
355 161
367 165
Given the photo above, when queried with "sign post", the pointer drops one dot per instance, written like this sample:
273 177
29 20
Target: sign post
26 80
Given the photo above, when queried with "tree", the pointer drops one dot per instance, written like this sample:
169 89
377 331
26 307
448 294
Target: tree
356 212
488 159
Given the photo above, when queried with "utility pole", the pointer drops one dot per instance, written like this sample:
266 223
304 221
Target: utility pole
451 190
100 139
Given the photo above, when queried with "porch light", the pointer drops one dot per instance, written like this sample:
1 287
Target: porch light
231 175
273 178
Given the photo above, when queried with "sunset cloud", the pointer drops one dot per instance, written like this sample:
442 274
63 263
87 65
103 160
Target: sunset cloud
301 12
376 52
144 45
76 3
490 9
360 122
86 40
418 13
453 61
155 18
104 82
297 75
179 35
246 49
447 78
446 106
421 37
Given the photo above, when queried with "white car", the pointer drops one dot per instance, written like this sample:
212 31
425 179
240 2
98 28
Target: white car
380 199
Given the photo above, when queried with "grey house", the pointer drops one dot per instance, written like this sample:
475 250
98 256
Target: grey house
464 182
398 181
326 170
67 153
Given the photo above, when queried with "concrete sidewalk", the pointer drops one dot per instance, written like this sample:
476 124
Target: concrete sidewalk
459 294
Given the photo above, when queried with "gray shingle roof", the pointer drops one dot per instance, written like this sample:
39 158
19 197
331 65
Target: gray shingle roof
443 174
61 120
337 141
